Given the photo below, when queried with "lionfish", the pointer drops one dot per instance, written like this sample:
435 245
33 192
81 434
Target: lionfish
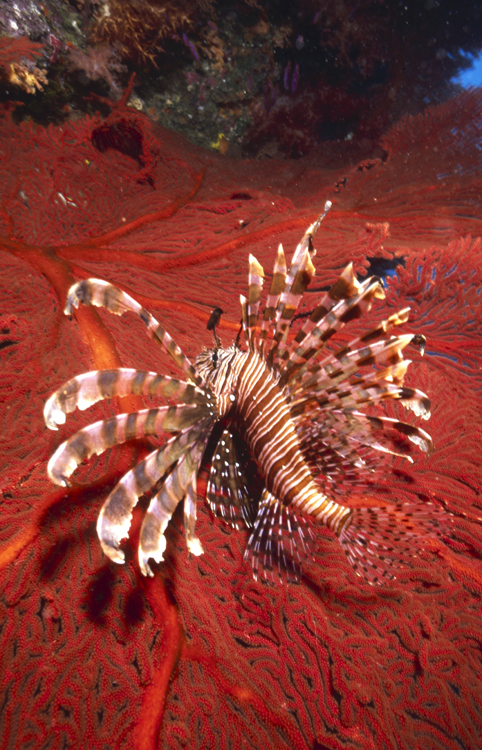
284 409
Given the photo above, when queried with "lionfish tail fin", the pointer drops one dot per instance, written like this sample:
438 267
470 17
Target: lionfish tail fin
380 541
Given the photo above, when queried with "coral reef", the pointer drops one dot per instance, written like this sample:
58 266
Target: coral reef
93 655
139 27
26 75
12 49
275 79
30 80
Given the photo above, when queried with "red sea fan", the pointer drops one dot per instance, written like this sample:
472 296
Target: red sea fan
26 76
12 49
201 655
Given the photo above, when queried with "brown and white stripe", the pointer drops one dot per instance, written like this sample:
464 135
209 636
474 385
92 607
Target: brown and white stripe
90 387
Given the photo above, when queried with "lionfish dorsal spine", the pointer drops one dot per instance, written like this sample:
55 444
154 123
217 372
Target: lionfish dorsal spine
299 277
106 433
344 288
334 320
297 280
278 283
256 276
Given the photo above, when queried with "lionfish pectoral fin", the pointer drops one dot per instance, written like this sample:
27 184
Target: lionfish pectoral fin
192 541
93 439
116 513
378 541
90 387
83 391
113 526
232 476
99 436
152 542
179 484
100 293
279 537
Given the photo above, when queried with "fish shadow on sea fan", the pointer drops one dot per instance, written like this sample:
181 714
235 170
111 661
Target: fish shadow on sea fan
279 426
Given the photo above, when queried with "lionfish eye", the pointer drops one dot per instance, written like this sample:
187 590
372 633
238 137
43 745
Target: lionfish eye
215 358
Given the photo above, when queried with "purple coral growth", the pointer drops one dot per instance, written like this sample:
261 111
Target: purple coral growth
286 80
295 78
193 50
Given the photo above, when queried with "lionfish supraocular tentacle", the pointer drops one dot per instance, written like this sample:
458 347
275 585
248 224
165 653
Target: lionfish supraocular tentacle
282 415
102 294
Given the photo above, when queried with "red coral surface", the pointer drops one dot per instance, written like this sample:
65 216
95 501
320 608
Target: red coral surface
12 49
93 655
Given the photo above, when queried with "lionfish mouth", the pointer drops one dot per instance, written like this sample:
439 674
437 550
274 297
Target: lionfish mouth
286 425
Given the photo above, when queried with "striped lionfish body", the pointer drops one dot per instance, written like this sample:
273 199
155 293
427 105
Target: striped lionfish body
283 409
